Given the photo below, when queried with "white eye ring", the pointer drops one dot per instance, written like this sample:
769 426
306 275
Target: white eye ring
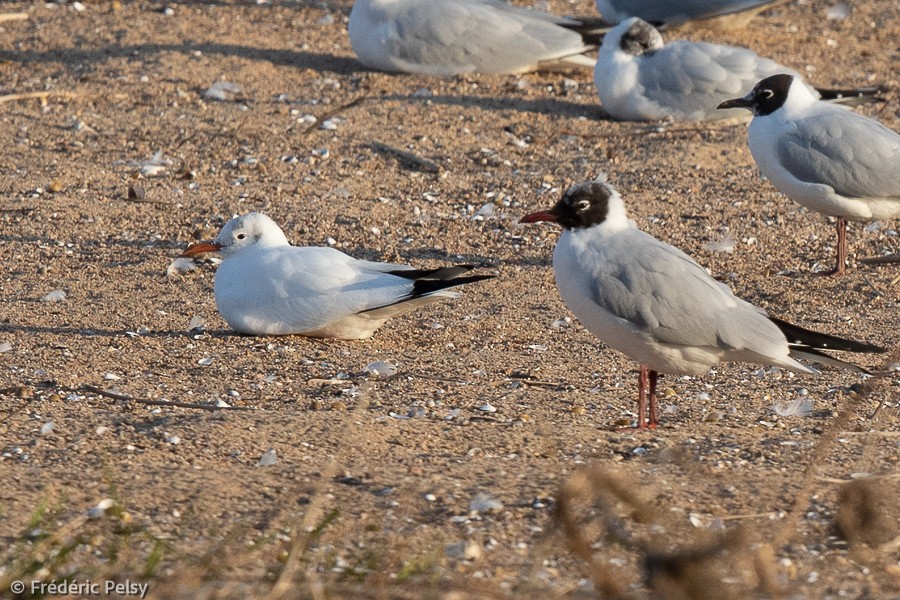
241 236
766 93
582 205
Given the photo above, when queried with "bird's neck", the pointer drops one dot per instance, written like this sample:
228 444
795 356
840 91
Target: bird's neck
799 99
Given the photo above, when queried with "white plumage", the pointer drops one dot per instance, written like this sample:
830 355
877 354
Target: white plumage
265 286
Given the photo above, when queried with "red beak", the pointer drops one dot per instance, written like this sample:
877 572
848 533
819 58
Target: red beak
543 215
202 248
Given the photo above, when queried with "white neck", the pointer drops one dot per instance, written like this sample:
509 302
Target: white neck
616 216
799 98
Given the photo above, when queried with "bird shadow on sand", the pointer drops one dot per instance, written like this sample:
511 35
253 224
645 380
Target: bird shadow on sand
546 106
79 56
321 62
89 332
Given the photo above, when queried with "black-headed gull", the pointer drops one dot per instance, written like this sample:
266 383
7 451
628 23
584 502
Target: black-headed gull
674 12
265 286
828 159
641 78
430 37
652 302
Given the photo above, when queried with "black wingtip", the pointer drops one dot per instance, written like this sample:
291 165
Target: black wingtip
423 287
814 340
817 356
852 96
439 274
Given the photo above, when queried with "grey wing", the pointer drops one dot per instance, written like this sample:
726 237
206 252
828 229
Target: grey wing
664 292
697 76
857 156
475 36
323 285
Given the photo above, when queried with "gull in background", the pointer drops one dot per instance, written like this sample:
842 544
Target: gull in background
676 12
265 286
641 78
828 159
655 304
438 37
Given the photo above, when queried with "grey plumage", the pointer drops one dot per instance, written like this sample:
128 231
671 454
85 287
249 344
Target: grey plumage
665 293
448 38
843 150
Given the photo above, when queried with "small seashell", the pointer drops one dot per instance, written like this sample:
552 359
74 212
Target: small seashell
268 458
561 323
222 404
47 428
837 12
799 407
484 503
220 90
54 296
205 361
196 323
173 439
5 347
487 407
380 369
724 243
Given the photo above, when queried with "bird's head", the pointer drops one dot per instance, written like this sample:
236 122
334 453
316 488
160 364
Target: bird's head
766 97
250 230
584 205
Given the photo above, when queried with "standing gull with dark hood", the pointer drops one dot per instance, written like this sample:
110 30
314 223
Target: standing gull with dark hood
652 302
826 158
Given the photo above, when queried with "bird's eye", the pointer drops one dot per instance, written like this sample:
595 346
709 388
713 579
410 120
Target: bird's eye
766 93
241 236
582 205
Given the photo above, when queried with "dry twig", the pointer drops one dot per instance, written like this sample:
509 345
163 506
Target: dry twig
42 96
413 161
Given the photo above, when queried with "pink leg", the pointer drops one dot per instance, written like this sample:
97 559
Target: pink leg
642 398
840 267
654 414
841 246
